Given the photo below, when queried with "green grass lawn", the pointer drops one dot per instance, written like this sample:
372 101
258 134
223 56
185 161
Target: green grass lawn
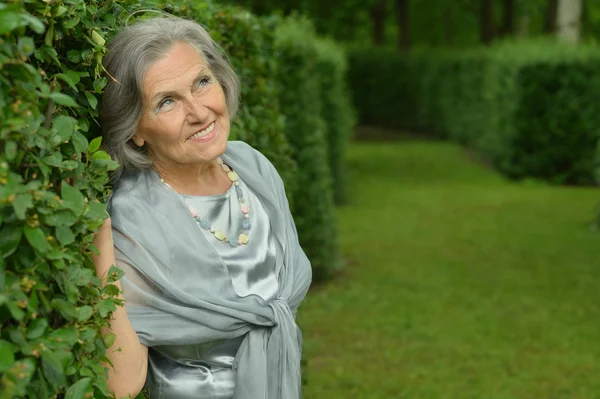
458 284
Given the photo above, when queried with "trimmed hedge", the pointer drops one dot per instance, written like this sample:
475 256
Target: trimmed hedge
531 109
336 110
53 173
300 100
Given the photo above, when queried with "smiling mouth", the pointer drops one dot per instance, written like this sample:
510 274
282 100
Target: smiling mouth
203 132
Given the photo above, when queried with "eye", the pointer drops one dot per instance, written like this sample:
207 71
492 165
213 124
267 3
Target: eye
205 81
165 102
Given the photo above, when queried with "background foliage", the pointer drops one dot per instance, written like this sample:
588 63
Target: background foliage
530 108
53 173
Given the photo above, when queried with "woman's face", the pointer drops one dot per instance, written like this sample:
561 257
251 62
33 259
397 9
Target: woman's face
185 118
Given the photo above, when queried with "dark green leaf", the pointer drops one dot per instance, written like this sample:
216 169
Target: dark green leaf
64 126
63 99
84 313
72 199
74 55
80 389
70 165
71 23
7 358
37 328
34 23
92 100
80 142
64 235
95 145
53 369
67 79
36 238
10 236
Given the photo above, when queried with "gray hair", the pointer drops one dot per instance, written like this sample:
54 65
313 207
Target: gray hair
133 50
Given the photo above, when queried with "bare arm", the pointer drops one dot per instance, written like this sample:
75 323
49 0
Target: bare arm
131 362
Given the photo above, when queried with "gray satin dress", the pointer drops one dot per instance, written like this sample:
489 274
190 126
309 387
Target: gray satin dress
205 371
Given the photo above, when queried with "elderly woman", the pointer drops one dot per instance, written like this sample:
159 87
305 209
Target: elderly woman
201 226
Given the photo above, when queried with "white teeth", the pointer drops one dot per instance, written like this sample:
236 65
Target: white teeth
204 132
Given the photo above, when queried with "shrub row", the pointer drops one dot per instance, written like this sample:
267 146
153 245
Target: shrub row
301 103
530 108
53 174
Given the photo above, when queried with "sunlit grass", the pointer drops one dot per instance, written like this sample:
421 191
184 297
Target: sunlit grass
459 284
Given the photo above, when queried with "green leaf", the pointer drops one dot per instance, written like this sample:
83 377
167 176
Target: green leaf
72 199
7 357
67 79
74 55
115 274
53 160
96 211
70 23
63 99
16 312
64 235
64 126
21 204
95 144
36 238
101 155
80 142
69 165
34 23
99 84
53 369
92 100
26 46
37 328
10 20
109 339
10 237
84 313
66 309
60 218
80 389
10 150
65 336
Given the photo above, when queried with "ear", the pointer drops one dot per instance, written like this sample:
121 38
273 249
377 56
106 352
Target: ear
138 140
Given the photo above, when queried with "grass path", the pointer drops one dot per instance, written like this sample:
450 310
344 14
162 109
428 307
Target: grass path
459 284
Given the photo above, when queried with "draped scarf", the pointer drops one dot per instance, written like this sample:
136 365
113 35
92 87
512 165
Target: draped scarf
177 288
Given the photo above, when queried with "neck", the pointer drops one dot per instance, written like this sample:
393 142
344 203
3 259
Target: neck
205 178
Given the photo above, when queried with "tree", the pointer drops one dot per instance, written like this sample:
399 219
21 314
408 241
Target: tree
569 20
378 14
551 16
403 20
508 18
486 21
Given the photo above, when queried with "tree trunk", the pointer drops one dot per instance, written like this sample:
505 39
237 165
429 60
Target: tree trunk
402 16
569 21
508 20
551 16
378 21
486 21
448 26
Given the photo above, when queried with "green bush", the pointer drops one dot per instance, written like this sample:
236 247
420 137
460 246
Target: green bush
301 104
529 108
52 306
336 110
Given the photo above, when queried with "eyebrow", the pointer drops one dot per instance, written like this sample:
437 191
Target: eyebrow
201 75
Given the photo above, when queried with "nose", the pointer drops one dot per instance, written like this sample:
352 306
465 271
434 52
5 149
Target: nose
197 112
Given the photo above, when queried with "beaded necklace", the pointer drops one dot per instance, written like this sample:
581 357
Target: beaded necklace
205 224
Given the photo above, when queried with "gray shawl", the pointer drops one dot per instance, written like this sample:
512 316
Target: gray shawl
177 288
